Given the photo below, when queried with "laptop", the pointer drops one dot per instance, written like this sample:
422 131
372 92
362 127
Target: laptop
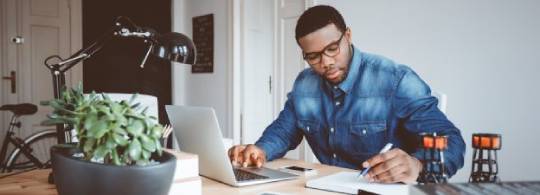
197 131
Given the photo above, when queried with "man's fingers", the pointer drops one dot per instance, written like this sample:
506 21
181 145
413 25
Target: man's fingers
392 175
255 159
385 166
373 161
258 159
394 179
259 162
247 157
235 154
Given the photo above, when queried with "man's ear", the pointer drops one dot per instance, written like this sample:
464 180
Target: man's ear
348 35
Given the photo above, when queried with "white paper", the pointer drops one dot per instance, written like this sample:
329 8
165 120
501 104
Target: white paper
348 182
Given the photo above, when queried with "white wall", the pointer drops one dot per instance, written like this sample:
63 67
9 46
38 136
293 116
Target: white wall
484 54
204 89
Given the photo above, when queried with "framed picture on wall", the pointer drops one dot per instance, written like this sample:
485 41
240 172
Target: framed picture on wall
203 37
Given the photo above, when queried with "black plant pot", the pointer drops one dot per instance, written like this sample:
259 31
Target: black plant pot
79 177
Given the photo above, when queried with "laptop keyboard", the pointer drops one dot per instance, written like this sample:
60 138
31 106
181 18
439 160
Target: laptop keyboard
242 175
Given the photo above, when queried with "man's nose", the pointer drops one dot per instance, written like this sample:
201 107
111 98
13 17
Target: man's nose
327 62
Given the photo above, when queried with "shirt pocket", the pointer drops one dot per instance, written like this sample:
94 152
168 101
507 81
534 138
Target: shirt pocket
309 127
367 137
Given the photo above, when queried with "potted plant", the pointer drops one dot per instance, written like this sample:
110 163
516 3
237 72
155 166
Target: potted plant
118 149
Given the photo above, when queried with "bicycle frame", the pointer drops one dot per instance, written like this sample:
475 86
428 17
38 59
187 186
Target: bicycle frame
18 143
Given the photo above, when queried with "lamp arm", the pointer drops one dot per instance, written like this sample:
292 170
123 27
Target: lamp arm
89 51
119 29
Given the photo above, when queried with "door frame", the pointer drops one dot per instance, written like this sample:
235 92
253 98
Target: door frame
75 33
2 57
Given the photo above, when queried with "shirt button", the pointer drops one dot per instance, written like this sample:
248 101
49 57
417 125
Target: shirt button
338 103
332 130
335 87
364 131
335 156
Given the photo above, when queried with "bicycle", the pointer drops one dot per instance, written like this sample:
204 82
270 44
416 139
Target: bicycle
31 152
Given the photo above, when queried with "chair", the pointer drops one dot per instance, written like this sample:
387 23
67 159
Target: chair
145 100
442 100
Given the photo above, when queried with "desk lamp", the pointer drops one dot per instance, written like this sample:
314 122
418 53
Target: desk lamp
169 46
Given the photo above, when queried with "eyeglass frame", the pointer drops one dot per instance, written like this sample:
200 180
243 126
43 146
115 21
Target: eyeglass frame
323 51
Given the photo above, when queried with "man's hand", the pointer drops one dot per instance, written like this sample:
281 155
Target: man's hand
392 167
247 155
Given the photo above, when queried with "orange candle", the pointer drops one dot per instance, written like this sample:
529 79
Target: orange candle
476 140
428 142
441 142
487 141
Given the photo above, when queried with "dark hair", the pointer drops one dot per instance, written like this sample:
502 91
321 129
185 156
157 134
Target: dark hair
317 17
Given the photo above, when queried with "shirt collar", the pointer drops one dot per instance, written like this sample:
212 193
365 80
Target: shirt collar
354 68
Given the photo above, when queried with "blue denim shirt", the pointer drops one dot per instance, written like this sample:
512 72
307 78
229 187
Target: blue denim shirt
378 102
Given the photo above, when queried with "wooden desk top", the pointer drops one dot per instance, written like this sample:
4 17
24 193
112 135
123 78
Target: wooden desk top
35 182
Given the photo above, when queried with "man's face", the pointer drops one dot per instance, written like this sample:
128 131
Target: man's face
327 51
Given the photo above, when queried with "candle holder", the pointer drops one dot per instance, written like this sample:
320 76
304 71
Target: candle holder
484 163
433 147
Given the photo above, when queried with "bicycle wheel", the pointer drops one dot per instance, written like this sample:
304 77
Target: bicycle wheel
40 144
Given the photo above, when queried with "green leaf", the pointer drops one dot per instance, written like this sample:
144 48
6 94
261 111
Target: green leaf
101 151
89 145
135 128
56 104
158 147
106 97
156 132
99 129
103 109
143 112
121 120
119 139
115 158
111 142
135 116
116 108
135 149
91 118
120 131
147 143
145 155
134 106
133 97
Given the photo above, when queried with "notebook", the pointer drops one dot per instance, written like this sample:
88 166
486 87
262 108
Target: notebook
347 182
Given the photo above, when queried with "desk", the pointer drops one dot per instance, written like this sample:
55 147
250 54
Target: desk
35 182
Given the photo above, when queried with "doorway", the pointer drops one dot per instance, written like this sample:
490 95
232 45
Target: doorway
268 62
31 31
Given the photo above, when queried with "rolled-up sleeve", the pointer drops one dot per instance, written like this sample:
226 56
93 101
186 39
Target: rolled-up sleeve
417 110
282 135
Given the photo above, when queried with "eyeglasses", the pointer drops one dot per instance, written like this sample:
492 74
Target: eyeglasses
330 50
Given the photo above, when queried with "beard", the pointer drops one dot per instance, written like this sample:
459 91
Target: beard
335 75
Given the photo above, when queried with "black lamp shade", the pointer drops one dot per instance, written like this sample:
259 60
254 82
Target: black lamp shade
175 47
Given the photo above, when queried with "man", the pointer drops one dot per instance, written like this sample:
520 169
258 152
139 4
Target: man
349 104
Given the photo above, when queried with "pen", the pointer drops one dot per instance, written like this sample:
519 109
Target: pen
387 147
